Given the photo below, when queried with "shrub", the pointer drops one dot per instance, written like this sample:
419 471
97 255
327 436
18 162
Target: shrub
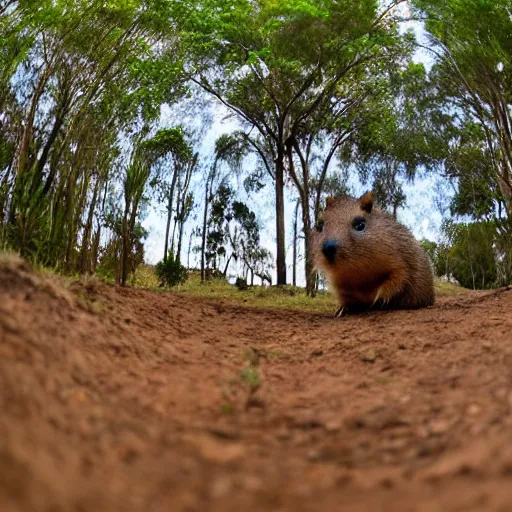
145 277
212 273
241 283
171 272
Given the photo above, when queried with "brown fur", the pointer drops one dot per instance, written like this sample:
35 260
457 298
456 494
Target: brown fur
381 267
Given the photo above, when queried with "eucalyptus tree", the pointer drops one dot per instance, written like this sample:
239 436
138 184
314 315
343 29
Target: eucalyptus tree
185 201
174 154
472 43
472 46
230 150
146 159
75 76
247 247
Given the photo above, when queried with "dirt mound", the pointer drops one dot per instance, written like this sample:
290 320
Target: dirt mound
122 399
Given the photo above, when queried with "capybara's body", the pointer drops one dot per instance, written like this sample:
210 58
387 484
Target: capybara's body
369 259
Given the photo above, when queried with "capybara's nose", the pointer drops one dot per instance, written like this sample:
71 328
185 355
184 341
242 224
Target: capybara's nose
329 249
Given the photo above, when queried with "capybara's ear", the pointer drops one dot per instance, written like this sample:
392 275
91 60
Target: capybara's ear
366 202
330 201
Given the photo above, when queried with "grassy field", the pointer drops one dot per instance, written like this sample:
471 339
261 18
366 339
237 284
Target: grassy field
288 297
257 296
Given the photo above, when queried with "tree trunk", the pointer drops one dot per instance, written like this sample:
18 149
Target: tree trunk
205 219
304 195
45 153
227 265
182 199
4 201
126 244
128 248
95 250
280 227
168 226
55 207
189 249
84 252
26 138
180 238
169 211
19 207
395 210
76 217
310 273
173 237
70 215
295 236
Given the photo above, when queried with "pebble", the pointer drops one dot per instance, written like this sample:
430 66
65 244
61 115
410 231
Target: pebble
440 426
474 410
314 455
369 356
333 426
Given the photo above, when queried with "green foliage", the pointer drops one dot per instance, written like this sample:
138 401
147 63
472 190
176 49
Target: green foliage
471 254
234 233
473 74
252 377
398 133
438 255
471 83
167 141
110 256
470 163
74 75
231 149
171 272
430 248
220 217
247 245
471 257
241 283
145 277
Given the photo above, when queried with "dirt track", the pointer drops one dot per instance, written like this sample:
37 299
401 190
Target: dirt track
121 399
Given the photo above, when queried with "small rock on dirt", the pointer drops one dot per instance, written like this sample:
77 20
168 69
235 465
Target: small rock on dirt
216 450
440 426
369 356
333 426
474 410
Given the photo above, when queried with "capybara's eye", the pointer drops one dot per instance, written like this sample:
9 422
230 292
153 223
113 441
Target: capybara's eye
320 226
359 224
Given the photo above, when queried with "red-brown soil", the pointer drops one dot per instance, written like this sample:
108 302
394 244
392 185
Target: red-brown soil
128 400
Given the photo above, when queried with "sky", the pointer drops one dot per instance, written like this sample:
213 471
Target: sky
419 214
